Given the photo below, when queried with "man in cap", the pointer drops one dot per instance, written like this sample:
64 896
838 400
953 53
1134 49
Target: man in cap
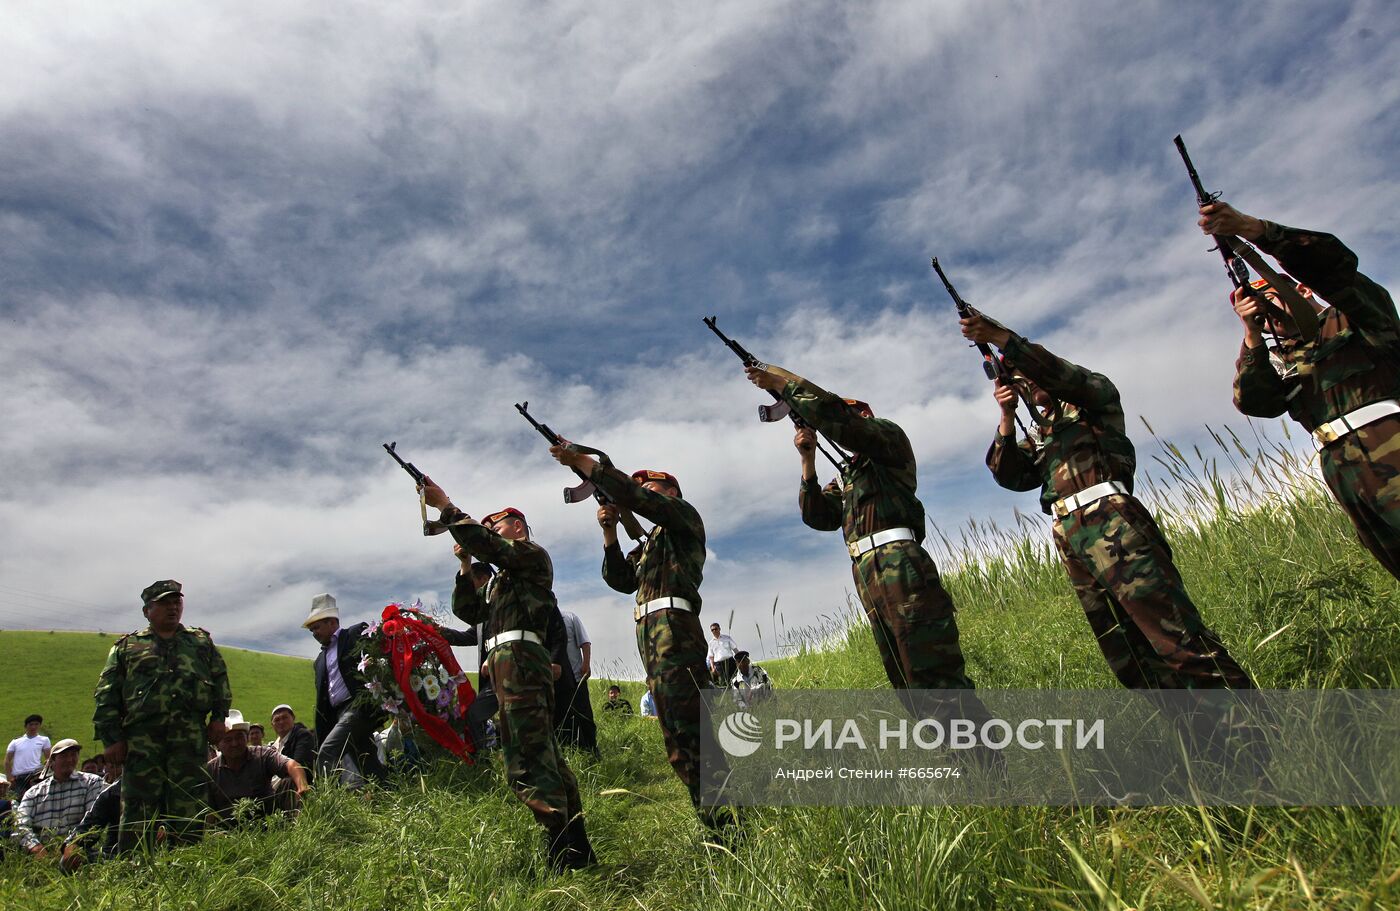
750 683
873 502
344 728
294 739
1119 563
517 608
51 808
242 771
664 572
161 699
1343 386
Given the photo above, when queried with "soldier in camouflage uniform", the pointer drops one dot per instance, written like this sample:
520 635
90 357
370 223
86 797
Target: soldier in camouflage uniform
161 698
1119 563
516 607
664 572
1343 387
874 504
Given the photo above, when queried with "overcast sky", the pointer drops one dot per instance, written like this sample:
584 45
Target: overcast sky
241 245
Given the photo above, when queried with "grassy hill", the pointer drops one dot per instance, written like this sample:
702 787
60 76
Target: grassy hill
54 674
1281 578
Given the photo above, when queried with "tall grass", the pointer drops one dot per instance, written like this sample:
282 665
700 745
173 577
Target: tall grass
1269 559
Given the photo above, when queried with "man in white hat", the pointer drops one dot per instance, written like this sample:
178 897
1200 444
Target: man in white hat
343 728
244 771
51 808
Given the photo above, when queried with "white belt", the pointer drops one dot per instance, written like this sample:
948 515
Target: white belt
862 546
1088 495
656 604
1333 431
511 635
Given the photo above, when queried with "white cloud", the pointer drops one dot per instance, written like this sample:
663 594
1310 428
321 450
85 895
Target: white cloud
245 245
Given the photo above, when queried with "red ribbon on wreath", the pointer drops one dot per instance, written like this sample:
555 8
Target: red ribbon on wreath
402 632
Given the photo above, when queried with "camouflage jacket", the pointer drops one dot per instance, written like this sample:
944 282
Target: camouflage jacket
150 682
521 593
671 561
1355 359
1086 444
876 490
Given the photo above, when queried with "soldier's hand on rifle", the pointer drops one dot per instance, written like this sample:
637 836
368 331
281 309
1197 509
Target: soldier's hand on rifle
607 517
569 458
434 495
1251 313
1222 218
1005 396
765 379
977 328
806 442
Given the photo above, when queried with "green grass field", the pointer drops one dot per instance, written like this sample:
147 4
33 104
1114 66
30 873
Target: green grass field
1275 570
54 674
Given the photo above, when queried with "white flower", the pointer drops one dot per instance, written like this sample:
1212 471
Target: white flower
431 687
415 682
375 688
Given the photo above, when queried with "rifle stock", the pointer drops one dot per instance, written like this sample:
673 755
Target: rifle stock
780 409
583 491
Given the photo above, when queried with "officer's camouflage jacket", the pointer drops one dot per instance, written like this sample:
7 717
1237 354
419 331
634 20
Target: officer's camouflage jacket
150 683
521 593
1355 359
671 562
1086 444
876 491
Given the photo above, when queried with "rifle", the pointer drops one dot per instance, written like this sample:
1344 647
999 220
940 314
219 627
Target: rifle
992 365
780 409
418 479
581 492
1236 251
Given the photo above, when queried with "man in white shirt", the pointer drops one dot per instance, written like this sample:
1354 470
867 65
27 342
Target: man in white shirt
578 726
721 657
54 806
750 683
25 756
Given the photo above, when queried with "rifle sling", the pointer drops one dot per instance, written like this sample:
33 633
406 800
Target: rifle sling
1303 315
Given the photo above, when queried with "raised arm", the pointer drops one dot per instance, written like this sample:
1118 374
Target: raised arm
1259 391
1012 466
876 438
1065 381
671 513
821 506
1325 264
467 603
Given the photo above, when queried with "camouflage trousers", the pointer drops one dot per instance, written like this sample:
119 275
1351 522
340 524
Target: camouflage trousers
535 768
911 616
1363 472
164 783
673 650
1146 624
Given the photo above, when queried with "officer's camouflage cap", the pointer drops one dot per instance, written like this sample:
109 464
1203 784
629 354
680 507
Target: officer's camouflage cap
157 590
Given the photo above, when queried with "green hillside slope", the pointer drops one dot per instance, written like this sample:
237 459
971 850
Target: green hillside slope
54 674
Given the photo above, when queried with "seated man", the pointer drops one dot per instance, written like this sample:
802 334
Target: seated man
51 808
255 734
295 741
99 826
242 771
750 683
648 705
615 701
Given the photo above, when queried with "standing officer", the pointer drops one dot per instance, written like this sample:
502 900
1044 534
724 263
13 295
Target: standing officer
665 573
1119 563
161 699
1343 387
517 606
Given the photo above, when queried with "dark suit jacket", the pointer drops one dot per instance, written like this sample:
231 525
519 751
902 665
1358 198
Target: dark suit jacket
300 745
346 637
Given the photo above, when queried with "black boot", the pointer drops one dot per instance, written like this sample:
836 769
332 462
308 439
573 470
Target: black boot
580 851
